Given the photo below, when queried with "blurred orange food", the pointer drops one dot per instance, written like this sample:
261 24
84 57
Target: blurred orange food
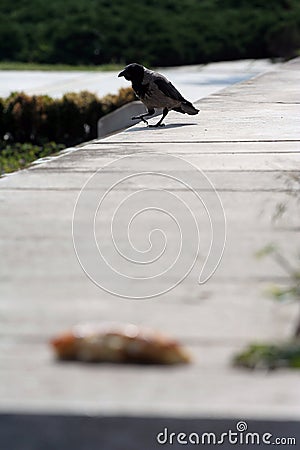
124 343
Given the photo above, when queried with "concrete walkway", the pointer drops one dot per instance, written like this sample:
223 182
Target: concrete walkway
194 82
246 140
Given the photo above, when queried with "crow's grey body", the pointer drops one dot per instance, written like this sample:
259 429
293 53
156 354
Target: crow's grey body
156 92
154 96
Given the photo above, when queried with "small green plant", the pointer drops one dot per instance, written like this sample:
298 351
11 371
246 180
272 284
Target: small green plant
268 356
292 290
287 354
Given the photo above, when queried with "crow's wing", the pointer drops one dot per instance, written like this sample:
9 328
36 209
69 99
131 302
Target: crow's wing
167 88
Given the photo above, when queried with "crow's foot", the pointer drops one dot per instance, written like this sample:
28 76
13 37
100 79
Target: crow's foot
139 118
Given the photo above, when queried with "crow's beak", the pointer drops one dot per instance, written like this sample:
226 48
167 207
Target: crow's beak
122 74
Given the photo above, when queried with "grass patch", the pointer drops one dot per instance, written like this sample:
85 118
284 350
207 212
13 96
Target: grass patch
18 156
59 67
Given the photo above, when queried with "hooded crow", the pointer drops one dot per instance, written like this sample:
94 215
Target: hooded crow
155 91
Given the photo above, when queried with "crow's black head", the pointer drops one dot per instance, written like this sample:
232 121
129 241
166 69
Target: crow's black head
133 72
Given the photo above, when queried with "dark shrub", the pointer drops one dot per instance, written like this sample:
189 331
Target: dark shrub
69 120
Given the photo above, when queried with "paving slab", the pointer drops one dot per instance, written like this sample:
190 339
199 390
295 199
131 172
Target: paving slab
246 141
51 179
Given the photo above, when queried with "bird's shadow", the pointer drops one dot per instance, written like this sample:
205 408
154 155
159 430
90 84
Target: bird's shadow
167 126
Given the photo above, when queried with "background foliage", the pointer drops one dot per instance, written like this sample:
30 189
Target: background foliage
153 32
36 126
68 120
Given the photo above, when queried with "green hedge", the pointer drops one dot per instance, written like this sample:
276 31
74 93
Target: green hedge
152 32
72 119
36 126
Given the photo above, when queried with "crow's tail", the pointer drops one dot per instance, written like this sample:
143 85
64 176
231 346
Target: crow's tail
187 108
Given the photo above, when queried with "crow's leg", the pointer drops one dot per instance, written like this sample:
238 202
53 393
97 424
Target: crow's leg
159 123
142 116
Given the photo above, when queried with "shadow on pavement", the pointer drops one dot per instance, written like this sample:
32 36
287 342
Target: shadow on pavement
167 126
